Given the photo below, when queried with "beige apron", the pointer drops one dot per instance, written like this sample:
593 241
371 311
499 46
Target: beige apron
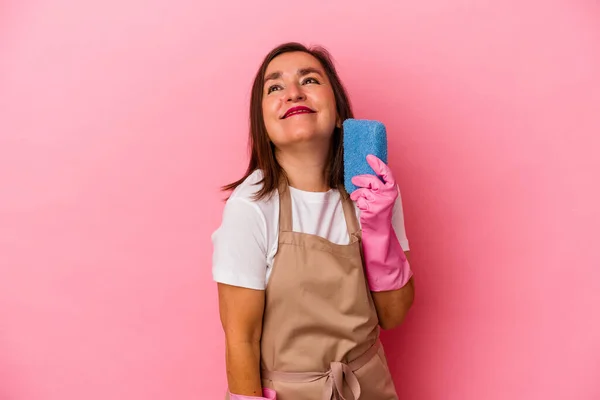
320 337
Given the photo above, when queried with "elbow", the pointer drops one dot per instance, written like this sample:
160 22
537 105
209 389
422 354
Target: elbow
395 313
249 337
393 321
389 325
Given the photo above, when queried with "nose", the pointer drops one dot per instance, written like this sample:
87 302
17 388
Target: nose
295 94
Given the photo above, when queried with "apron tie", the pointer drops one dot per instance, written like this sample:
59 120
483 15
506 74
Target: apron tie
339 374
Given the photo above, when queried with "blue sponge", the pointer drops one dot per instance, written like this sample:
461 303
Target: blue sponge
361 138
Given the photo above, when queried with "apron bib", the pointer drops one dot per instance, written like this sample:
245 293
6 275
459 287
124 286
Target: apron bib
320 337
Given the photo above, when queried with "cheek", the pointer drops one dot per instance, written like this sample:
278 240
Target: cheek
270 108
328 100
331 110
270 116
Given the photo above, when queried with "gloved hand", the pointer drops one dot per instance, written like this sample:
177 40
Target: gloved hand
385 262
268 394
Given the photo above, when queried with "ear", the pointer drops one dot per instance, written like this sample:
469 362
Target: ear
338 122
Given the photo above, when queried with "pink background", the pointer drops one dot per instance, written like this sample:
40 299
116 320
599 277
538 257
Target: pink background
120 119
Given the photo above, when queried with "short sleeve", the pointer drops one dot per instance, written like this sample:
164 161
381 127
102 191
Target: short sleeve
398 223
239 246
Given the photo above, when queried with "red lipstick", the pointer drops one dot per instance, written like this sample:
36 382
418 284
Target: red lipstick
297 110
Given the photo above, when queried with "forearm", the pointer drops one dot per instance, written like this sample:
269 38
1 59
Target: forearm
243 367
392 306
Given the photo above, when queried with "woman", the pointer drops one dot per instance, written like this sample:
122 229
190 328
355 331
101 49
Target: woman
306 274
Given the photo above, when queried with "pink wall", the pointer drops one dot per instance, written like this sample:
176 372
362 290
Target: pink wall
119 119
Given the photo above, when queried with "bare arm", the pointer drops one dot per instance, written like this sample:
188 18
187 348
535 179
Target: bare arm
392 306
241 312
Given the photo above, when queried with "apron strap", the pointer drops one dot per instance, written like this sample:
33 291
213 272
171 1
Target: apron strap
349 212
285 207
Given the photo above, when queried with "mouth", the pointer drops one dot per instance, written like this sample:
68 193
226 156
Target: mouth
296 111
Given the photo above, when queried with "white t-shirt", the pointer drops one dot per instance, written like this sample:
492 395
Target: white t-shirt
245 244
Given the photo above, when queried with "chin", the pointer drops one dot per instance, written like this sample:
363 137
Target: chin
305 136
307 133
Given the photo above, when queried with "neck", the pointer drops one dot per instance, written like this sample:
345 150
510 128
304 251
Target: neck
306 168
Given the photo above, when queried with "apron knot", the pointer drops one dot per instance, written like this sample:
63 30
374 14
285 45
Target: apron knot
338 374
336 378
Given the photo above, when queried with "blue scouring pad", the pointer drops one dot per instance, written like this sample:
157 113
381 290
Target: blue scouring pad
361 138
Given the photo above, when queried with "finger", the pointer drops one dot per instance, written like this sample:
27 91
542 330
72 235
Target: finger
362 204
362 192
368 181
382 170
362 197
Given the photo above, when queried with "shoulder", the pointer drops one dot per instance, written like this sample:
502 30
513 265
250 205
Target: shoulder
249 187
243 196
241 242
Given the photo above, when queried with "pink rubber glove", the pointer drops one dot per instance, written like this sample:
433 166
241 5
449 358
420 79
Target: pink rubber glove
269 394
385 262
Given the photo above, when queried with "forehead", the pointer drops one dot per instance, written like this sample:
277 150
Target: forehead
292 62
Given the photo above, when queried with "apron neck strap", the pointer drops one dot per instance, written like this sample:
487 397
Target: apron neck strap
285 207
349 212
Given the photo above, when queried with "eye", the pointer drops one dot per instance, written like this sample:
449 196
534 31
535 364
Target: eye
310 80
273 88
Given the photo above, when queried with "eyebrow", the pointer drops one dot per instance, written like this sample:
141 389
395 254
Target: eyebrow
301 72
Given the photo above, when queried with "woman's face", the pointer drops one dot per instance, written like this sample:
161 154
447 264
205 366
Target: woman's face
298 101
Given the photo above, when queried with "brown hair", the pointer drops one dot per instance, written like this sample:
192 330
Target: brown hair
262 154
